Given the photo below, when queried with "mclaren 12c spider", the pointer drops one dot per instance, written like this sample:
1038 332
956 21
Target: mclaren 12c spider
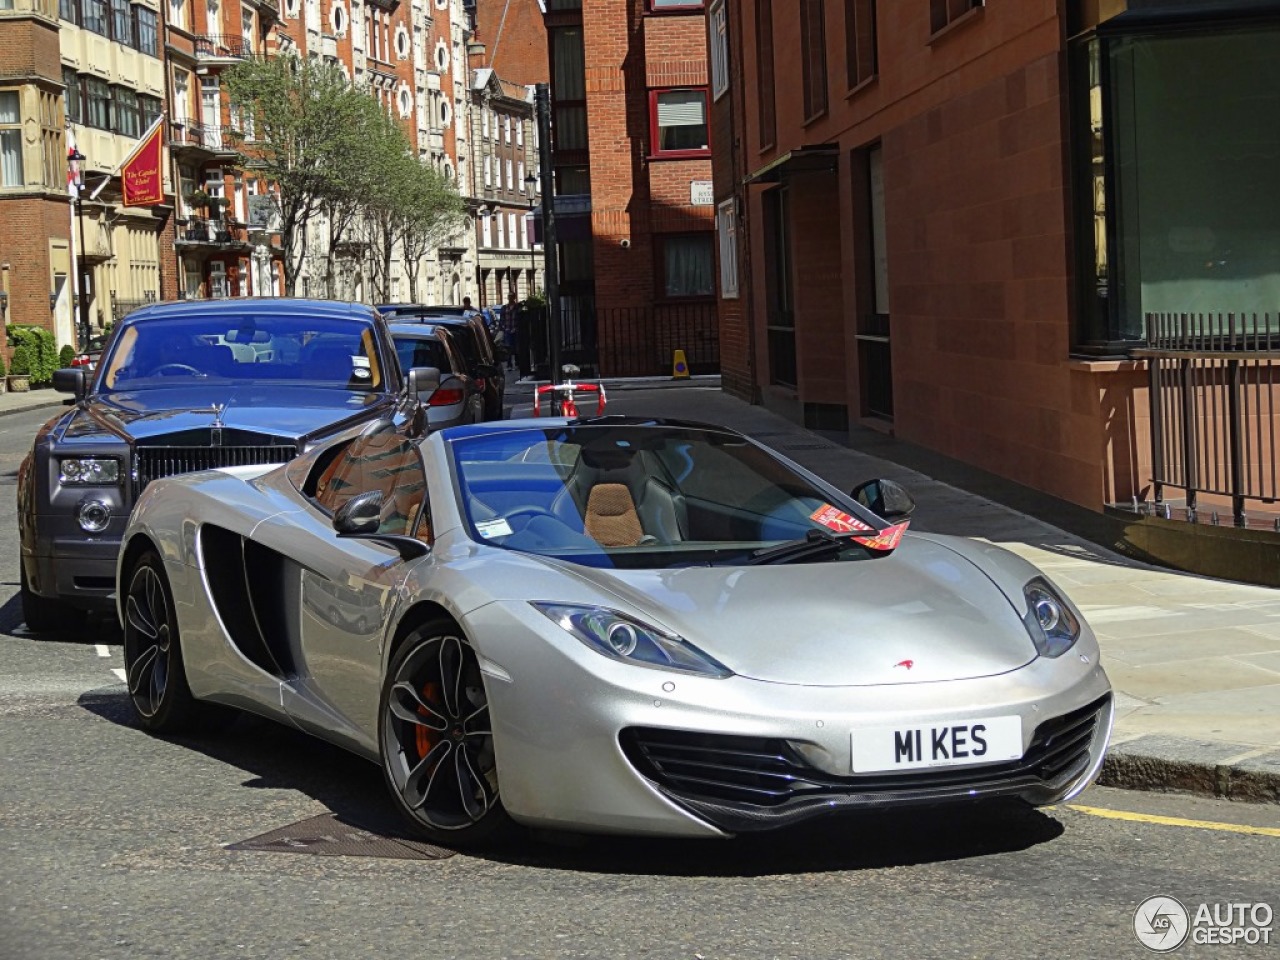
609 624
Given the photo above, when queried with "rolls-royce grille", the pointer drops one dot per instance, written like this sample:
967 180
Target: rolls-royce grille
157 462
741 782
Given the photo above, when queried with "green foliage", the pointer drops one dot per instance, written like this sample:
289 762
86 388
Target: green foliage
66 356
329 146
3 370
21 366
41 355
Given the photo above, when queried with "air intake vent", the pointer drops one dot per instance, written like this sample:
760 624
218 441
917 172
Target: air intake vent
155 463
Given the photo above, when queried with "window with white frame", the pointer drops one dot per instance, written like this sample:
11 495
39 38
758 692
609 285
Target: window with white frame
727 230
486 231
488 171
513 236
484 121
502 232
506 128
511 176
10 139
520 175
718 23
520 132
217 280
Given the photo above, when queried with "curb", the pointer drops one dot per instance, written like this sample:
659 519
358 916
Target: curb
1173 765
6 411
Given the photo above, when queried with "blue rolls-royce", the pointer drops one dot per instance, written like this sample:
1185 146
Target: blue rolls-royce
181 387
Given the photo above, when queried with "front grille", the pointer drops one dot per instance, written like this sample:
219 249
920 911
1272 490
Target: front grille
755 780
153 463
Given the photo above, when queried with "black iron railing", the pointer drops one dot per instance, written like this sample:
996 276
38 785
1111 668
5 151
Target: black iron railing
627 341
220 232
1214 380
224 45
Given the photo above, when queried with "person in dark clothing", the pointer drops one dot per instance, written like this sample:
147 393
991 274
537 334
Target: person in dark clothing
517 333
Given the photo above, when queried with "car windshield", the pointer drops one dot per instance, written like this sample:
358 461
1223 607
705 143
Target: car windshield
414 351
310 351
642 496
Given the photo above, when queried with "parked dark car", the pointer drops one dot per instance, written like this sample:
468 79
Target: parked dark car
459 400
92 352
484 358
187 386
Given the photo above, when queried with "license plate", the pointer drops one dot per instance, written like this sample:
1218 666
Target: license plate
945 743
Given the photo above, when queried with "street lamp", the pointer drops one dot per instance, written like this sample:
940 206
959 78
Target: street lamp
75 159
530 181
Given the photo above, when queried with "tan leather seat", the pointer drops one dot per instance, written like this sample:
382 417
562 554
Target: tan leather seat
611 516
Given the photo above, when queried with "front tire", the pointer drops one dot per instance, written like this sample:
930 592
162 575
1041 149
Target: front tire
153 650
437 739
42 614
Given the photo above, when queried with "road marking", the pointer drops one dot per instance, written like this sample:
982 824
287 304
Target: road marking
1175 821
102 649
124 678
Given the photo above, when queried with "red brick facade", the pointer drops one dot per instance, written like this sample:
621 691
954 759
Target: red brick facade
970 123
639 198
514 38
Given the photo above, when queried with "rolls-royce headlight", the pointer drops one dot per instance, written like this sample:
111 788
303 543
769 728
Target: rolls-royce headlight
100 471
620 637
1053 627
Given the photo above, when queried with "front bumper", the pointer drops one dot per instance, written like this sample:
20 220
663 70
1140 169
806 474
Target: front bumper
579 737
75 567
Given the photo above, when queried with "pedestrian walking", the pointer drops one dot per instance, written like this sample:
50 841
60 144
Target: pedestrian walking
516 331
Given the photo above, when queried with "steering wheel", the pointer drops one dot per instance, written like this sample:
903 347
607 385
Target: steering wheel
531 512
177 367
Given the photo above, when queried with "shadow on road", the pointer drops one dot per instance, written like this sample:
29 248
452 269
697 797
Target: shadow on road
95 628
279 758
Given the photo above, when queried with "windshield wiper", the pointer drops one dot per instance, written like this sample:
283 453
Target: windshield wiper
812 546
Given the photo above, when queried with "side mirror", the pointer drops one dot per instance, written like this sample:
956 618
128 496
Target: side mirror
70 380
359 516
885 498
423 382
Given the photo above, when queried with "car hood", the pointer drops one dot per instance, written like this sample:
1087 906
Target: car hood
291 412
922 614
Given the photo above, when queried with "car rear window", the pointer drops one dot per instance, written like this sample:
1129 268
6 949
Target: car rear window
421 352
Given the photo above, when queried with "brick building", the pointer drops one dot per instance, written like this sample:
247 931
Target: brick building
506 188
86 76
950 219
513 39
632 161
36 267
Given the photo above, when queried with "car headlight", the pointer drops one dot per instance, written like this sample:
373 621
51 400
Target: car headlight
102 471
1053 627
624 638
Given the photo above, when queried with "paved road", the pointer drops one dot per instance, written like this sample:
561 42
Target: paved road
114 845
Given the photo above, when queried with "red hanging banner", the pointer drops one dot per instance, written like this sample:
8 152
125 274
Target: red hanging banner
142 175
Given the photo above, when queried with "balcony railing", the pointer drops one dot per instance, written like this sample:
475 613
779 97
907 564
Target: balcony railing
215 232
1214 385
186 134
223 46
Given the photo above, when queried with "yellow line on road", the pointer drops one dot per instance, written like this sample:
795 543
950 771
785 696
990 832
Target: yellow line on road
1175 821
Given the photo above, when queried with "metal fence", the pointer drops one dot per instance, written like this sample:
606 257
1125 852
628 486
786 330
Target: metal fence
1213 393
629 341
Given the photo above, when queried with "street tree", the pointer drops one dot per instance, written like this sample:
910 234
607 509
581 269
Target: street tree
311 140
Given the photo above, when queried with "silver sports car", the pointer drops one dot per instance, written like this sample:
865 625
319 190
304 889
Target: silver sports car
609 624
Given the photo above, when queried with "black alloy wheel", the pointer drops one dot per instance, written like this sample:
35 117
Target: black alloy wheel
437 739
153 652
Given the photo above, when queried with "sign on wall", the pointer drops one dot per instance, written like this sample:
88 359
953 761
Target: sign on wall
701 193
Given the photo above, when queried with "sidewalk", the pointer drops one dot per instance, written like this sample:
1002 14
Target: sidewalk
31 400
1195 662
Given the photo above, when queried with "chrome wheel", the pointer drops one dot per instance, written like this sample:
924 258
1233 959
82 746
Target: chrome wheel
437 741
148 638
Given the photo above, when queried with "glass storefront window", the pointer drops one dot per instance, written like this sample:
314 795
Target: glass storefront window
1178 197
